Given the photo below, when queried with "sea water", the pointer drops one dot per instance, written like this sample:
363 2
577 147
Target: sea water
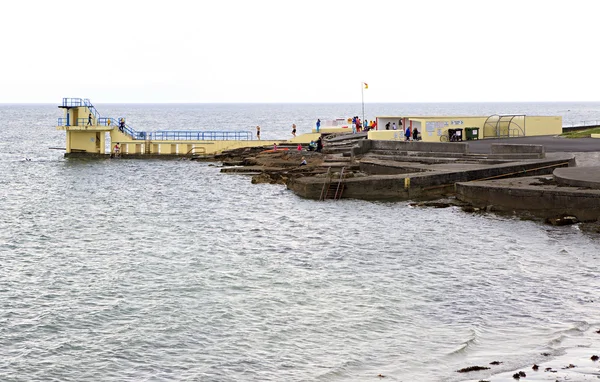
165 270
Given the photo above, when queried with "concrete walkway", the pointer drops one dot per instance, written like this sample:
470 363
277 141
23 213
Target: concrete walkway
552 143
588 177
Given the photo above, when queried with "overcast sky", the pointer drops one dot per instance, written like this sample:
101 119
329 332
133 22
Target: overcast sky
299 51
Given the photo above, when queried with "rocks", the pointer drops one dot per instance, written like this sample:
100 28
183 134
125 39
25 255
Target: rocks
535 367
591 227
432 204
519 375
594 358
268 178
562 220
495 363
471 209
233 163
472 368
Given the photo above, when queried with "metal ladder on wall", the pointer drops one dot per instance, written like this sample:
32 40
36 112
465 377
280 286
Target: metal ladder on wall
333 190
196 152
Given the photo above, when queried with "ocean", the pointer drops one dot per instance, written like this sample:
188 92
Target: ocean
168 270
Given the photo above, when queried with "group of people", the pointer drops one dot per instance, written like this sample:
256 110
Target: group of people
409 134
316 146
358 125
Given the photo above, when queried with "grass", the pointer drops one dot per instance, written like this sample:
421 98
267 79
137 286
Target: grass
581 133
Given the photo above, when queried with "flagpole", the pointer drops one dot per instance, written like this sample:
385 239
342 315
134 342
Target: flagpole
362 98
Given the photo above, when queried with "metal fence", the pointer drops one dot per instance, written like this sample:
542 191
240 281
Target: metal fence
582 124
191 135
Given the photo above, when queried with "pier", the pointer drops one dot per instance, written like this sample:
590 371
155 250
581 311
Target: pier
88 134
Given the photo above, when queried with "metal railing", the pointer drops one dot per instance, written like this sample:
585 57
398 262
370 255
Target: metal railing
191 135
84 122
582 124
72 102
105 121
91 108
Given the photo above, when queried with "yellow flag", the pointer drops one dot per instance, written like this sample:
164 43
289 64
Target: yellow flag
366 85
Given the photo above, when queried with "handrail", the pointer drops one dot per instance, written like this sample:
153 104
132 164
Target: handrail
582 124
195 135
72 102
106 121
336 197
91 108
326 183
193 151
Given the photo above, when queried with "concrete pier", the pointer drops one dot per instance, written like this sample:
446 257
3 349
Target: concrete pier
535 195
396 170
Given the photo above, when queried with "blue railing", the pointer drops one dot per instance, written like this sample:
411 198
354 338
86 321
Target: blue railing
190 135
91 108
105 121
84 122
72 102
62 122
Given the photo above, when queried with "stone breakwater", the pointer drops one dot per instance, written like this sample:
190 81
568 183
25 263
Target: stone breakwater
510 178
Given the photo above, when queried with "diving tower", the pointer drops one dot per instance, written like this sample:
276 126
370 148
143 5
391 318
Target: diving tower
89 134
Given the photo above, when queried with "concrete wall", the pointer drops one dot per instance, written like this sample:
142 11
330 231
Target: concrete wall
538 202
505 148
92 141
365 146
386 135
543 126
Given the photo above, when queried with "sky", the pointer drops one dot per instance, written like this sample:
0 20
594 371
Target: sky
299 51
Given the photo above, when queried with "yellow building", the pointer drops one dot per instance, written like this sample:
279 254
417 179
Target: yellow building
436 128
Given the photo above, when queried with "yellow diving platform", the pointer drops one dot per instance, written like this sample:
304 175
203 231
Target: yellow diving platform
89 134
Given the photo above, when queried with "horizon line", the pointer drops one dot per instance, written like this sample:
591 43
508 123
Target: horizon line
294 102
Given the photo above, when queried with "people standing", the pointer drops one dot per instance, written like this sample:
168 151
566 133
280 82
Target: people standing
407 133
318 125
415 134
394 126
294 129
319 144
117 150
258 132
387 126
89 119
